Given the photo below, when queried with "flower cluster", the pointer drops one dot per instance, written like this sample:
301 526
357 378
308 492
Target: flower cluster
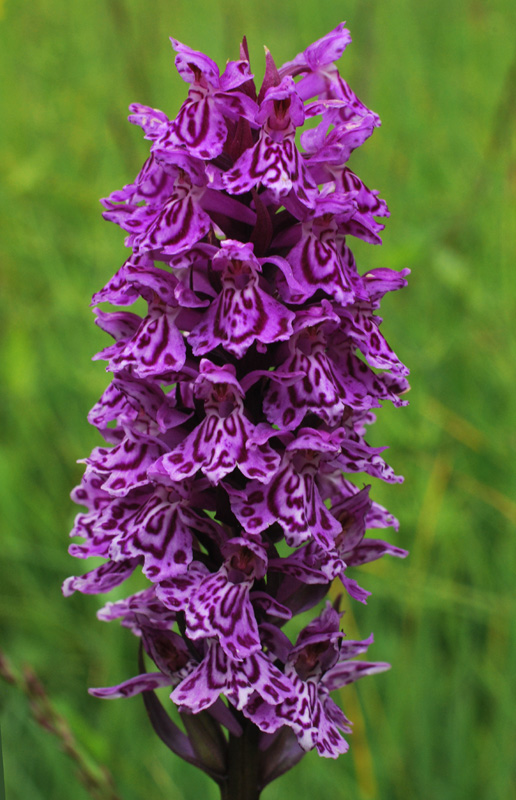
236 417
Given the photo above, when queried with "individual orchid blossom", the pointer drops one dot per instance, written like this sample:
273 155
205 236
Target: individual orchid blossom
236 420
243 312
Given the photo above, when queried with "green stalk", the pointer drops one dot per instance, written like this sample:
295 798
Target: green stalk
243 763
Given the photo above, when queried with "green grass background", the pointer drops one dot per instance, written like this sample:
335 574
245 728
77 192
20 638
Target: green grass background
442 76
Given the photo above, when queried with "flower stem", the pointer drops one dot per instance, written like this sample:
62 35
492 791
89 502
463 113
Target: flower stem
243 755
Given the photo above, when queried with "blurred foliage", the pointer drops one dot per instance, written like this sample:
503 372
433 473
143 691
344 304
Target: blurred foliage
439 725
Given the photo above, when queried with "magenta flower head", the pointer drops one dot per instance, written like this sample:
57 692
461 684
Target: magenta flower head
235 423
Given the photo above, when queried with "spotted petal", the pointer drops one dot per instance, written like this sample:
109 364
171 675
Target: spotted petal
276 165
291 498
216 607
156 348
161 531
141 683
360 324
219 674
216 447
101 579
125 465
243 312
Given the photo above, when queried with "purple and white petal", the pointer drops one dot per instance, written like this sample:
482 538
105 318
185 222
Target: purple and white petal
137 610
218 674
125 465
291 498
243 312
315 64
101 579
157 347
360 324
224 440
141 683
350 671
276 165
162 532
221 609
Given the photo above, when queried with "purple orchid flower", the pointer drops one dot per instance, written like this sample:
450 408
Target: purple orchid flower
235 424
